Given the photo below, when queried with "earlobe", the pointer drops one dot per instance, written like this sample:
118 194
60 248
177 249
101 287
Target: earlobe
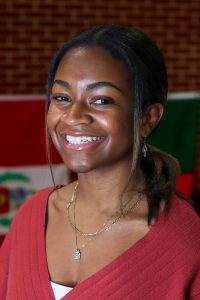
150 119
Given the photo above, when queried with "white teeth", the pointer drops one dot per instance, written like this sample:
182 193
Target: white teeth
81 139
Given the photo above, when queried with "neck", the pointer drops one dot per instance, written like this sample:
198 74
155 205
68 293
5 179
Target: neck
103 191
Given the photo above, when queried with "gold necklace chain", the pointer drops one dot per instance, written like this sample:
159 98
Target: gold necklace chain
104 228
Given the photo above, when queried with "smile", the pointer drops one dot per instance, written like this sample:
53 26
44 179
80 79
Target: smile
82 139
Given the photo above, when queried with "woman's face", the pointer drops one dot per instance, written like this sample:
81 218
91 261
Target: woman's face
90 117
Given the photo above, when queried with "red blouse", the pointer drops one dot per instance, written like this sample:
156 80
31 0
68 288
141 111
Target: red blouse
165 264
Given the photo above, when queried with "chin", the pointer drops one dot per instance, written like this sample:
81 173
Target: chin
79 167
80 170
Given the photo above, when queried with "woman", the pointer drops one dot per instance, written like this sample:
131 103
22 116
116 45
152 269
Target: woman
119 231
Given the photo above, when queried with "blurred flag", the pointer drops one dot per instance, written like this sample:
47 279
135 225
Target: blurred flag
179 134
23 162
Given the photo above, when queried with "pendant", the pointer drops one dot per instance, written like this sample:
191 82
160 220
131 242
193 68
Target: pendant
77 254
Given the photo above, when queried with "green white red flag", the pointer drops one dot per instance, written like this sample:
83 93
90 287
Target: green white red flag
23 162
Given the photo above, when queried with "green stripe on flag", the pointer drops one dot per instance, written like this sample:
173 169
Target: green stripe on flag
177 131
13 176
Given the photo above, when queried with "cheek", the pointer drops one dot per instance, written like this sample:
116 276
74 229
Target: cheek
53 117
117 123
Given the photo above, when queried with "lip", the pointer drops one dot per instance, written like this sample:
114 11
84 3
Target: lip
83 145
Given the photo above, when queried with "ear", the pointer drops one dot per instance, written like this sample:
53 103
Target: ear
150 118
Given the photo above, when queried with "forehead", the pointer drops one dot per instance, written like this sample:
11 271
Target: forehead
92 61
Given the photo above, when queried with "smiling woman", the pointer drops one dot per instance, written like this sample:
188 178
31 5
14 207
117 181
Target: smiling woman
89 120
120 231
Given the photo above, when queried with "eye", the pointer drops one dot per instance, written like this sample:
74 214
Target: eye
103 101
61 98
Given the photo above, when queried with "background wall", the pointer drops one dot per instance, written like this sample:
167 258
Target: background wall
31 31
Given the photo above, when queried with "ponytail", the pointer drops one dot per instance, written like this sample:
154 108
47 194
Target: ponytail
161 171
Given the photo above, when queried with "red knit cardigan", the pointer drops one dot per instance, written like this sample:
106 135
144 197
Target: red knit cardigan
164 265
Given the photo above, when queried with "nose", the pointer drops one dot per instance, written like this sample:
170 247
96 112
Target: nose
76 114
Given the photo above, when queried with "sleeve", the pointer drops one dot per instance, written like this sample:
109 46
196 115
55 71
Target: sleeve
11 244
5 250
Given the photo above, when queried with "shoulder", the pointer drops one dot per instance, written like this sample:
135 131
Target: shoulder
178 243
38 197
185 223
183 211
34 205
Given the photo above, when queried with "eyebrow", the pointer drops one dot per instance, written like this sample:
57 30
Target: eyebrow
98 84
63 83
90 86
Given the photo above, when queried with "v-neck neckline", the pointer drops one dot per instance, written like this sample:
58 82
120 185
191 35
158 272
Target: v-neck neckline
119 260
